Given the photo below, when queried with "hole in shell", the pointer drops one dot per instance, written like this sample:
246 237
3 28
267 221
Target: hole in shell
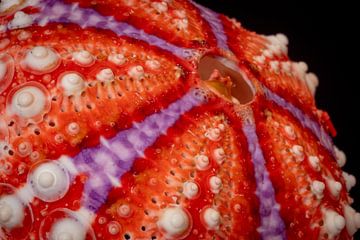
225 79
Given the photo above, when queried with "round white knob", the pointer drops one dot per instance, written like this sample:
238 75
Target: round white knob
213 134
136 72
352 219
28 102
314 162
211 218
334 187
219 155
11 212
46 179
105 75
117 59
73 128
72 83
317 189
68 229
124 210
215 184
201 162
49 181
350 180
83 58
25 99
289 131
298 152
340 157
174 221
333 223
191 189
41 59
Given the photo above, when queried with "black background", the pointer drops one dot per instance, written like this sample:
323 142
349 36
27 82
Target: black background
324 36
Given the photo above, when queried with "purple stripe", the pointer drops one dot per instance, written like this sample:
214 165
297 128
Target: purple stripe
216 25
304 119
57 11
272 226
116 156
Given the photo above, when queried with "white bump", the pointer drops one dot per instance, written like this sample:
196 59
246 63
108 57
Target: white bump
83 58
213 134
333 223
219 155
312 82
152 64
114 228
350 180
286 67
161 7
117 59
41 59
300 69
352 219
221 127
212 218
260 59
317 188
274 65
314 162
181 24
105 75
72 83
28 102
20 20
298 152
174 221
11 212
124 210
215 184
340 157
49 181
290 133
191 189
282 38
267 53
334 187
73 128
67 229
136 72
201 162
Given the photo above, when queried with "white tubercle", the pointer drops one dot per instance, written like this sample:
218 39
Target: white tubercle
334 187
136 72
260 59
72 83
11 212
317 188
314 162
312 82
152 64
124 210
49 181
286 67
6 5
352 219
282 38
219 155
28 102
215 184
181 24
67 229
267 53
289 131
161 7
201 162
174 221
73 128
300 69
340 157
333 223
20 20
83 58
213 134
24 149
41 59
298 152
105 75
190 190
221 127
350 180
117 58
274 65
212 218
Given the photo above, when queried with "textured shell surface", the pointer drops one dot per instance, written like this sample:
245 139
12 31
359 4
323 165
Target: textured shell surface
139 119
